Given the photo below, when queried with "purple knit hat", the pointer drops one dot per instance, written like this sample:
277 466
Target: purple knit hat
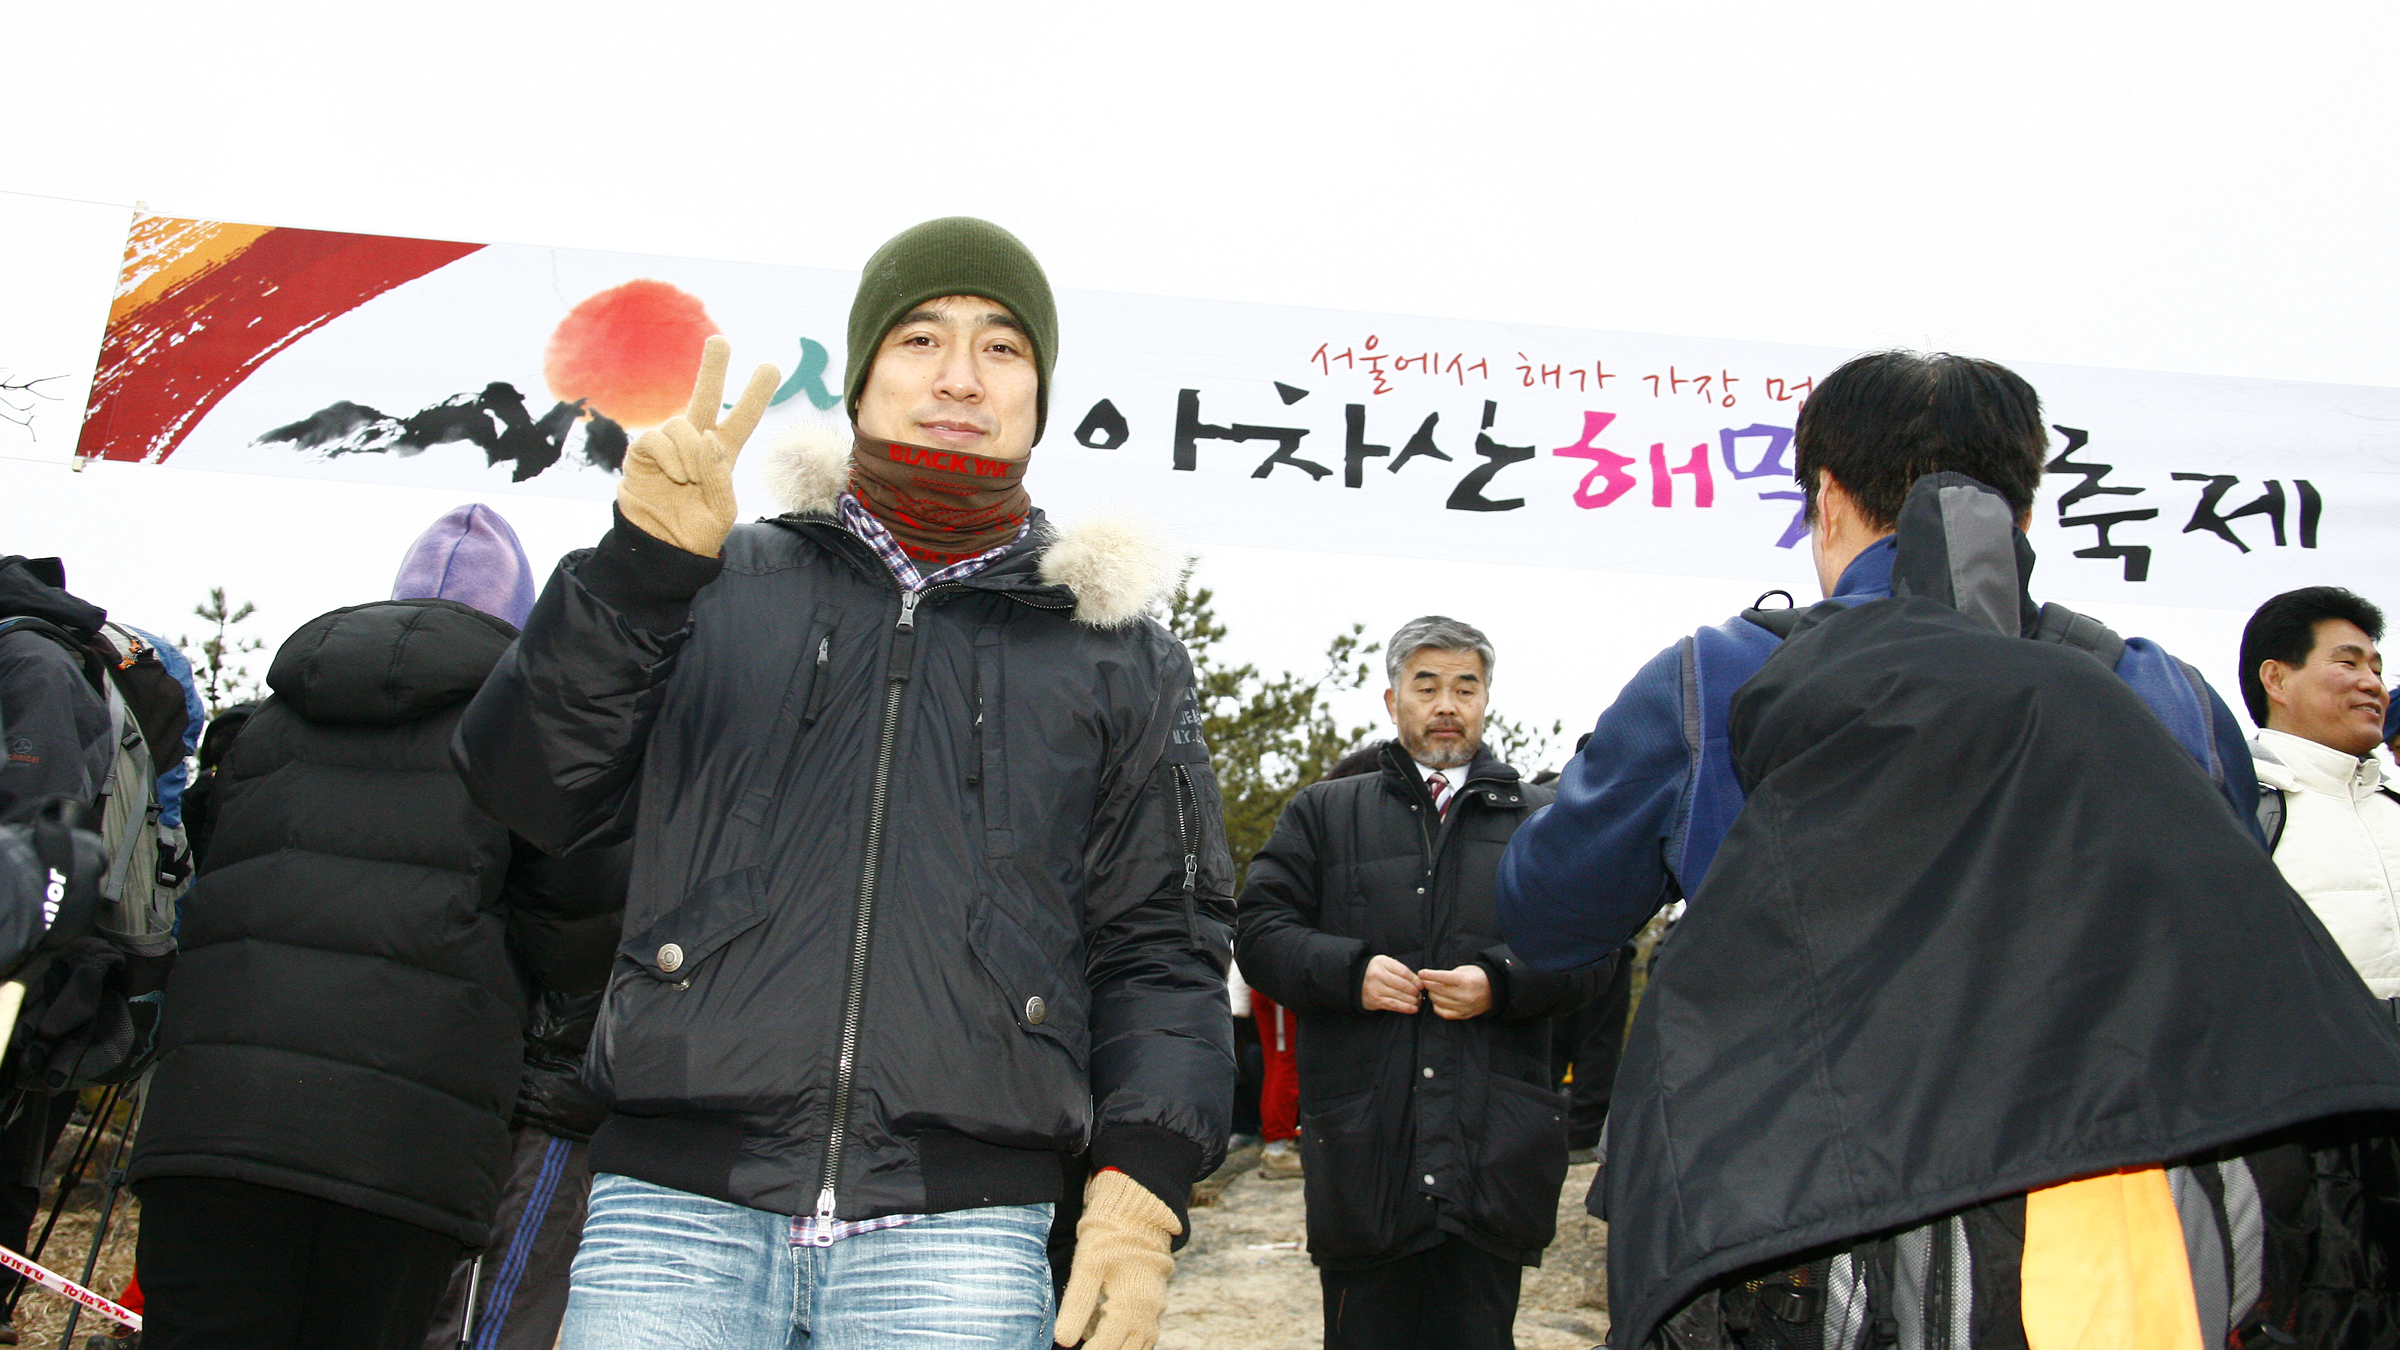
469 555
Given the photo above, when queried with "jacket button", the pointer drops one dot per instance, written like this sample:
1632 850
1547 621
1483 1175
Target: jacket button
1429 1071
1429 1178
1036 1010
670 958
1420 890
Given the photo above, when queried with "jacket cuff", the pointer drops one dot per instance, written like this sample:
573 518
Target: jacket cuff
648 580
1164 1162
1356 981
1499 966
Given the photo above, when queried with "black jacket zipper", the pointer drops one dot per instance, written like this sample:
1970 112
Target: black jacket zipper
854 994
816 688
1188 796
975 744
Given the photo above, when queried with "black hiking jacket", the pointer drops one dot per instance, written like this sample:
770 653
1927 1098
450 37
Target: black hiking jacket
927 890
1981 927
56 738
1412 1127
346 1019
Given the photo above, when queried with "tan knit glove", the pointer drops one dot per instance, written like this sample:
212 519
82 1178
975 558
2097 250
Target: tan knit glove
678 483
1120 1257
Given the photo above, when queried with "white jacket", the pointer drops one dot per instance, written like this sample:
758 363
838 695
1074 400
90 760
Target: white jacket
2340 847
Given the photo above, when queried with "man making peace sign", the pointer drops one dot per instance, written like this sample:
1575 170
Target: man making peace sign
930 892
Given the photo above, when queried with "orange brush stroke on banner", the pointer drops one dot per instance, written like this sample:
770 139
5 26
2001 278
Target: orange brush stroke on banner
162 252
202 304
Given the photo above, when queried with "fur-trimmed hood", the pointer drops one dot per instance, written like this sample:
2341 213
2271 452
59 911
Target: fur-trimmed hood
1117 567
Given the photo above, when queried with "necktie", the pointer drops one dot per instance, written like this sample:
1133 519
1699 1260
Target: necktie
1440 788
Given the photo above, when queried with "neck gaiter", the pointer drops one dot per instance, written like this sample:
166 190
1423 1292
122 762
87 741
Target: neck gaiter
940 505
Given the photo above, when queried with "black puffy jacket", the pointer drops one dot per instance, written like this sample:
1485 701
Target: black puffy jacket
347 1017
926 890
1412 1127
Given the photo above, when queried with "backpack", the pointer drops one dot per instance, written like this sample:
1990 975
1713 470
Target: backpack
148 869
1715 661
92 1004
2285 1240
2280 1237
1956 544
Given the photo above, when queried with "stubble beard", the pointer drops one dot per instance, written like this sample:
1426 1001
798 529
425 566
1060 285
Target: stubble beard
1421 750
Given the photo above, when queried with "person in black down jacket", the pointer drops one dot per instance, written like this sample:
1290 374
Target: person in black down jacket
343 1038
929 878
1431 1141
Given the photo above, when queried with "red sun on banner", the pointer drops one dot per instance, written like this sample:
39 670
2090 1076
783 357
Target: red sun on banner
631 352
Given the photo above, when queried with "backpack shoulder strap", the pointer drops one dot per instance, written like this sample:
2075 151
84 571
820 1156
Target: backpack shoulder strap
2069 629
2270 815
1715 662
125 799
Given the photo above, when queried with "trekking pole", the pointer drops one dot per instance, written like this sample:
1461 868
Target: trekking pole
69 1178
466 1320
116 1182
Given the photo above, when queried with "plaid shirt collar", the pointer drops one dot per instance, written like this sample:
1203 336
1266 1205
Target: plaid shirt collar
862 522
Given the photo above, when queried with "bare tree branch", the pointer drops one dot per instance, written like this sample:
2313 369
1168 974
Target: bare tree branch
20 399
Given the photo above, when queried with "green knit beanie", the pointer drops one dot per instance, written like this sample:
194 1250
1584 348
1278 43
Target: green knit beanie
957 255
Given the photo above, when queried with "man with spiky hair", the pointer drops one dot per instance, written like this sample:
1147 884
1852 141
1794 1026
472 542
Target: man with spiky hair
1981 1027
930 890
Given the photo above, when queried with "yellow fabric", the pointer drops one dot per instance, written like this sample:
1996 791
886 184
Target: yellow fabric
1120 1252
2105 1267
678 483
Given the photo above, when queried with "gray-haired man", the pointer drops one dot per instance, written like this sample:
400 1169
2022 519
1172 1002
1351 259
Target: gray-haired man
1434 1146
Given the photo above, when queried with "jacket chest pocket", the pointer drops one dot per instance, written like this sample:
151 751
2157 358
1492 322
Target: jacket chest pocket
987 745
804 697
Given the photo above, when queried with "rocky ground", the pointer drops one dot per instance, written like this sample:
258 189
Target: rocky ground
1244 1282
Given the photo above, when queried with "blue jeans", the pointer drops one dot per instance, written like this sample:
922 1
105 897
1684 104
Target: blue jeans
664 1268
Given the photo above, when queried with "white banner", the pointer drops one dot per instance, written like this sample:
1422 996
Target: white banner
500 368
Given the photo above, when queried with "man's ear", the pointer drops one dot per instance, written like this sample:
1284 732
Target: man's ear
1834 506
2271 677
1828 488
1391 703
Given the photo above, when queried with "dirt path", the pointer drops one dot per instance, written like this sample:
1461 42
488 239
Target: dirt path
1243 1282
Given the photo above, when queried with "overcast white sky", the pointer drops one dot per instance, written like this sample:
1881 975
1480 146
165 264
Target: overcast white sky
2192 187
